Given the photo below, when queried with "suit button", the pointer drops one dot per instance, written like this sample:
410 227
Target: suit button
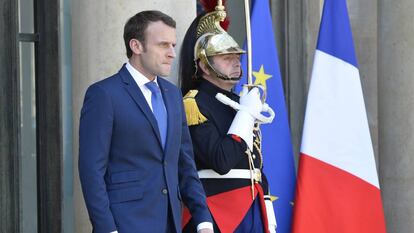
165 163
164 191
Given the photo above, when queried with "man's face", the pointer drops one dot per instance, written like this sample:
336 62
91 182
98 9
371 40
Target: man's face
229 65
158 50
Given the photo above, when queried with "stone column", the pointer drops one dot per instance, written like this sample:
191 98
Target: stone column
396 112
98 52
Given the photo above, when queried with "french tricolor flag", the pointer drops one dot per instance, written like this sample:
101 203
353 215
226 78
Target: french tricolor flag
337 186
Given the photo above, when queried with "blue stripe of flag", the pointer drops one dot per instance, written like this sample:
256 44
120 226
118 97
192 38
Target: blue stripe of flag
335 35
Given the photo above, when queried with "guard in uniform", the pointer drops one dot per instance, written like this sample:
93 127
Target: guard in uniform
226 142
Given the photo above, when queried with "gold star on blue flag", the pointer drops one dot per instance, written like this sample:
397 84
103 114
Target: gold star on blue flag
261 77
277 148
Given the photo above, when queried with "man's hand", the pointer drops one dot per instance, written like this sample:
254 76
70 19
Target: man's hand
205 230
250 100
243 122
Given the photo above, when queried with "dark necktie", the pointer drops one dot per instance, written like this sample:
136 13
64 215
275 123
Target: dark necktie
158 108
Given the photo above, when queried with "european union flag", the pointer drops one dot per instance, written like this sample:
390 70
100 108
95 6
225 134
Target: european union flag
276 142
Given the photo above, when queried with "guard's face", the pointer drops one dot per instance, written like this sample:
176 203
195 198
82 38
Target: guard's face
158 50
227 64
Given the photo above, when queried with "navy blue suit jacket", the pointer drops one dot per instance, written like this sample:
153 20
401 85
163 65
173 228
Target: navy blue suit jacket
127 178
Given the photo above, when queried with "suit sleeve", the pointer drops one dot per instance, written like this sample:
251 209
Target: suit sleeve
95 132
191 188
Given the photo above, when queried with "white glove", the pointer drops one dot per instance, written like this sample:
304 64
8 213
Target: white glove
271 218
251 101
259 118
243 122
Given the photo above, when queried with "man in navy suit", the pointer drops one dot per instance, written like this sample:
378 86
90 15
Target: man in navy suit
135 154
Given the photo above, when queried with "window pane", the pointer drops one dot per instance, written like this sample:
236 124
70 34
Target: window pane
26 19
28 195
28 174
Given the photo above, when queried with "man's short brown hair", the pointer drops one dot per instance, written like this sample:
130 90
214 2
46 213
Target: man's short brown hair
135 26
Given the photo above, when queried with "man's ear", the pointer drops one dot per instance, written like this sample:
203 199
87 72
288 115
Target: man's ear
136 46
204 67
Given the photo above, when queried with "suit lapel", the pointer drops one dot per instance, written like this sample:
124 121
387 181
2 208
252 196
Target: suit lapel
136 94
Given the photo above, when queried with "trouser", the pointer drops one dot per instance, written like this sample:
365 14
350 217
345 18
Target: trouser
252 222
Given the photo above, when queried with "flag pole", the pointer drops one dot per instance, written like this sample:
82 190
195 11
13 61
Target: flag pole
248 42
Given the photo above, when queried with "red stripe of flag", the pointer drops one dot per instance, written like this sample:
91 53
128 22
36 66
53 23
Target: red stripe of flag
333 200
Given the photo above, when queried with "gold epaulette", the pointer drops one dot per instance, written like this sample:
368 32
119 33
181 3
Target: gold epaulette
192 112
